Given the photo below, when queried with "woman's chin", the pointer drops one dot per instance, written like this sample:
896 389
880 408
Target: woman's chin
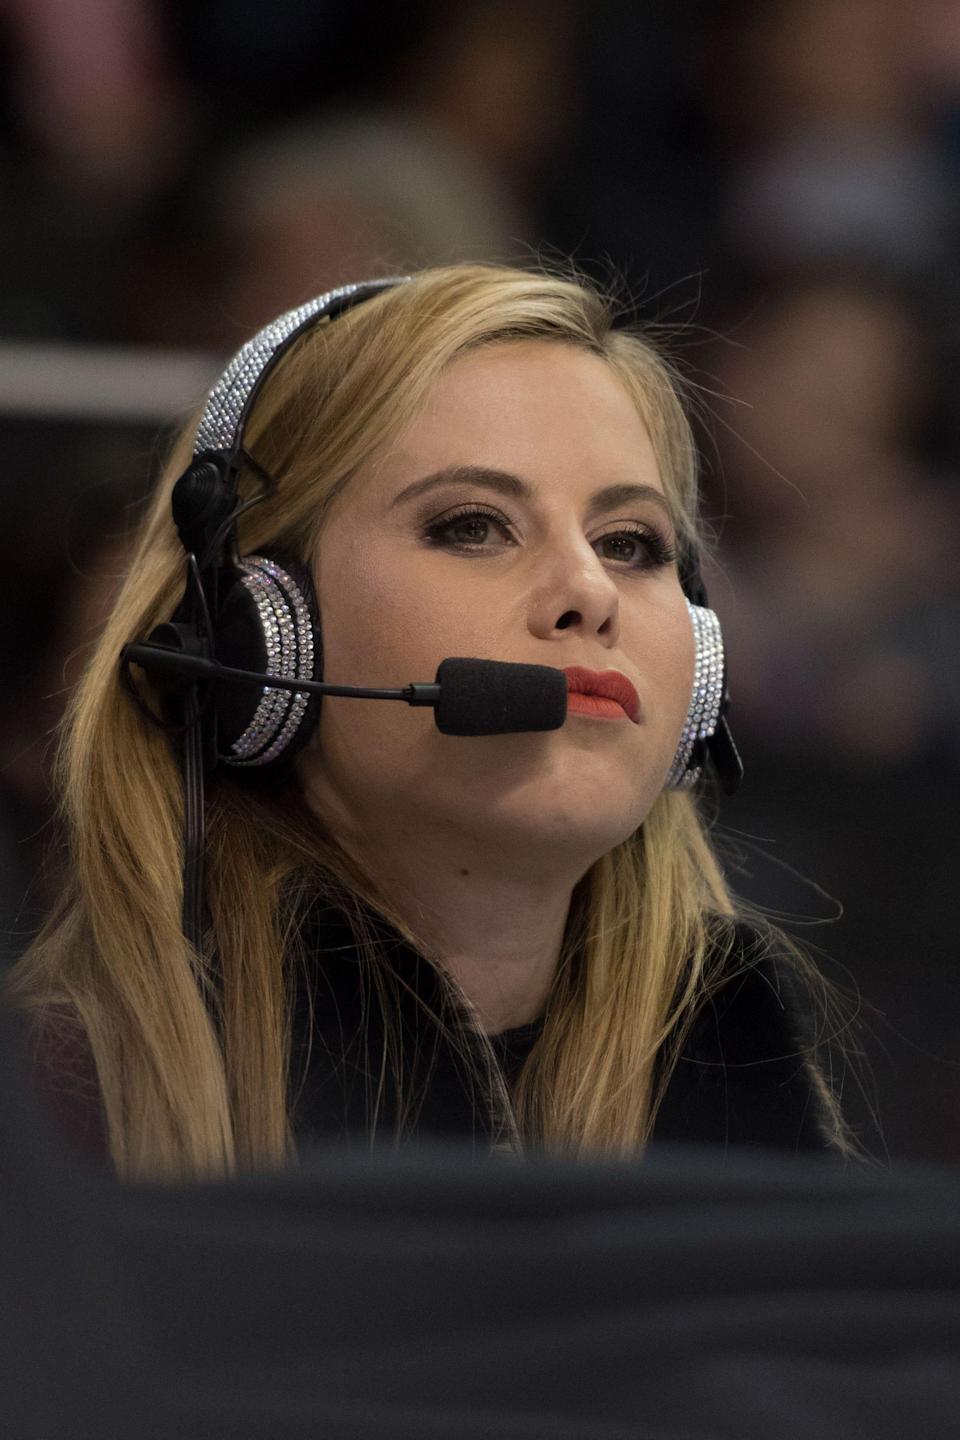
581 832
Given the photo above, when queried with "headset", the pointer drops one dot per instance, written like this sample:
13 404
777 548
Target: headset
239 665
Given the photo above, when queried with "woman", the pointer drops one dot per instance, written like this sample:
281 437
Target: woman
523 939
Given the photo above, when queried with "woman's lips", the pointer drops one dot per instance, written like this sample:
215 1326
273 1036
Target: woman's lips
578 704
601 692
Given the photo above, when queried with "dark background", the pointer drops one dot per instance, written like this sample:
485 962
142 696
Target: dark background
774 188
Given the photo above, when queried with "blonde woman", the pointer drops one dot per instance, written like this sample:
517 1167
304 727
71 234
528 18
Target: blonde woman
520 940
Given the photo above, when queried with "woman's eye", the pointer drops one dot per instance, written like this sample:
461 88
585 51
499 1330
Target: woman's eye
639 546
465 529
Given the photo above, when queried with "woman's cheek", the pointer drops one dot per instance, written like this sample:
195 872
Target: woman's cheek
666 656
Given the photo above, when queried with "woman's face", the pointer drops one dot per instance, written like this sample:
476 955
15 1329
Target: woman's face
552 573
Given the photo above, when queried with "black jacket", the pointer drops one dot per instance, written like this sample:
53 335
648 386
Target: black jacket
743 1076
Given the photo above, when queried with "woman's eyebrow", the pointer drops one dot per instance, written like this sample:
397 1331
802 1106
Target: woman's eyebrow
516 488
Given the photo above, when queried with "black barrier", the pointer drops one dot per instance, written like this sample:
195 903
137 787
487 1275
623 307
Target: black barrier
703 1295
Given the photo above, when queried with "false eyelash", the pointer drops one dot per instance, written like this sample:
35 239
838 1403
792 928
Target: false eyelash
659 549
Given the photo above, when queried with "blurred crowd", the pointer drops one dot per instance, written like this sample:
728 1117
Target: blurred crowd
774 189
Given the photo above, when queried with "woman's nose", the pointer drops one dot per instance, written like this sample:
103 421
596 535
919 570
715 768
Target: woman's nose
576 590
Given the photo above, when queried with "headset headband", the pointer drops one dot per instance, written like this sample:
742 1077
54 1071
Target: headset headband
232 397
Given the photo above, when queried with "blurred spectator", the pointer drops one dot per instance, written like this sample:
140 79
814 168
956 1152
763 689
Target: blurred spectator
437 166
837 584
324 202
95 124
95 94
497 78
834 140
633 188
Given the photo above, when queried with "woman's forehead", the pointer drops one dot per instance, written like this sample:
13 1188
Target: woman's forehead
554 413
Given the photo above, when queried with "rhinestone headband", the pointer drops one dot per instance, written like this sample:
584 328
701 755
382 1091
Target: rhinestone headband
706 699
221 423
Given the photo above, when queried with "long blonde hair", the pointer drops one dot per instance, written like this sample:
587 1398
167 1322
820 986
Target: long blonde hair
194 1069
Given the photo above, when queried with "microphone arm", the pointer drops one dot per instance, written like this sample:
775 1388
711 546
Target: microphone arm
469 697
165 662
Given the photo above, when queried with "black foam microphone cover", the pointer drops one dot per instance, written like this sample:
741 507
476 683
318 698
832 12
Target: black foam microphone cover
496 697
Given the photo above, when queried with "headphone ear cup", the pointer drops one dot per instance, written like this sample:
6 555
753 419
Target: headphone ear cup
706 700
267 620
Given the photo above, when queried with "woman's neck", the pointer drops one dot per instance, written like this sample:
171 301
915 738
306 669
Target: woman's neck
499 935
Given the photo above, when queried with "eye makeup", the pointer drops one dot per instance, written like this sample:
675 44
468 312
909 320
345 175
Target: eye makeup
653 548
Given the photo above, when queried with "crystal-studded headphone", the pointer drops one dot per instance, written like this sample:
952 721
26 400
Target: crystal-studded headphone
259 612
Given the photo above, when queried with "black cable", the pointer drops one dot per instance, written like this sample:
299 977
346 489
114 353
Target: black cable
212 548
193 823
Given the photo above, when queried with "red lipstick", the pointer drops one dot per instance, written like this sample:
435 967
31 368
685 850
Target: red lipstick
605 685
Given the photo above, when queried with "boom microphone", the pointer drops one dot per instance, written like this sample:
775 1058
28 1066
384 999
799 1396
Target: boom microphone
469 697
496 697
